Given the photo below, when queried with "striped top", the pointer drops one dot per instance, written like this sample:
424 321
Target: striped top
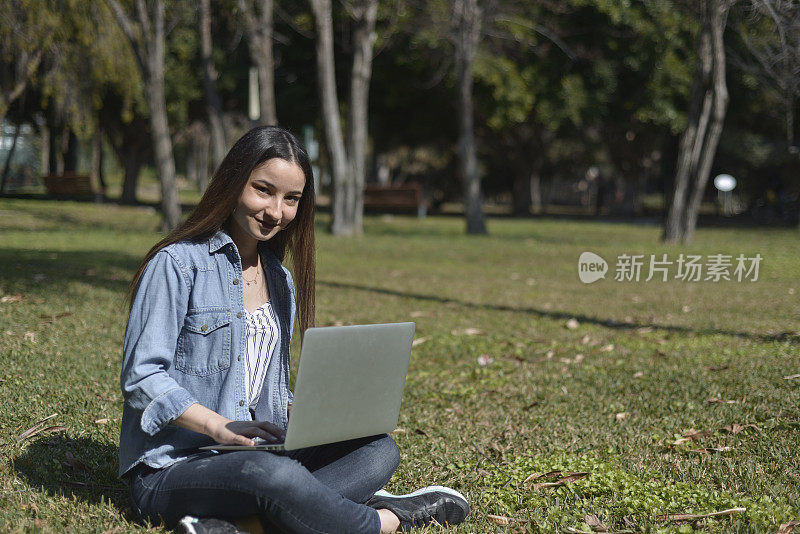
261 338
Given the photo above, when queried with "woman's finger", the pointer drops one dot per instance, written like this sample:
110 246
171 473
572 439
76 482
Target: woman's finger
242 440
274 430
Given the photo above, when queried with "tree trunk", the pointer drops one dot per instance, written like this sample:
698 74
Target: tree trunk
536 192
132 165
365 13
98 180
28 64
341 220
467 21
70 155
148 47
213 104
258 28
521 200
709 101
197 156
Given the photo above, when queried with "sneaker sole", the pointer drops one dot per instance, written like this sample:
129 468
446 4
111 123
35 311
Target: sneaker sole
427 489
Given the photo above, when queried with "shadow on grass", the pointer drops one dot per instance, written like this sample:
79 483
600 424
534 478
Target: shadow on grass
82 468
41 270
788 337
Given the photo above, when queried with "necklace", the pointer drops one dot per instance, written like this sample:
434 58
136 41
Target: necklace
254 280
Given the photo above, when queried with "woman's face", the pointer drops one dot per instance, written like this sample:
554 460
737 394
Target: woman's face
270 198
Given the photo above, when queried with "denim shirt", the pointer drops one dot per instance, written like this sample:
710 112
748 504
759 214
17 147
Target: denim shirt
185 344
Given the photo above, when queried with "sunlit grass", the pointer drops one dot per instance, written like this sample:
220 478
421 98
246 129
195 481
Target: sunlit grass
551 398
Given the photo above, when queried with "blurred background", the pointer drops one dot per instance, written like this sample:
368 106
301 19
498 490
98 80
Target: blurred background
578 108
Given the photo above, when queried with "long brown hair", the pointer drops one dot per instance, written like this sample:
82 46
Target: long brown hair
214 210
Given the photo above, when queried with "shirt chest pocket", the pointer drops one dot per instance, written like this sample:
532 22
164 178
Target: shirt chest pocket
204 345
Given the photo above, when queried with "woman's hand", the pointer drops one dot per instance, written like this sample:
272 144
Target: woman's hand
240 432
225 431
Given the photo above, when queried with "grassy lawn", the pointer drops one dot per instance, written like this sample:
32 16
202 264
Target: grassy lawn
629 384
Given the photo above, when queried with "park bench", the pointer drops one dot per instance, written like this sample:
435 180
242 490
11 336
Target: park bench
402 197
69 185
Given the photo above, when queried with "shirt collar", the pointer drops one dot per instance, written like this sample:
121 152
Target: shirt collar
221 239
218 240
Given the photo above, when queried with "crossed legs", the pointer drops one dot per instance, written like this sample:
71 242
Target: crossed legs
314 490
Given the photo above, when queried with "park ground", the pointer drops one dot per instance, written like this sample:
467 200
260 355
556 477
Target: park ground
552 404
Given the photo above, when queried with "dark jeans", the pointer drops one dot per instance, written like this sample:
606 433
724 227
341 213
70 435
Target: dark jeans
318 489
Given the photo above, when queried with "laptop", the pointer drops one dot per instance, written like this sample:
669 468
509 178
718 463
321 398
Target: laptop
349 385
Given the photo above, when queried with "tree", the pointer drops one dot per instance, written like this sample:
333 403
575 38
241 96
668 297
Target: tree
257 18
213 104
698 145
146 34
347 162
25 33
467 26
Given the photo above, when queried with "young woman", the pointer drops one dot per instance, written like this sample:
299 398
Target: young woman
206 359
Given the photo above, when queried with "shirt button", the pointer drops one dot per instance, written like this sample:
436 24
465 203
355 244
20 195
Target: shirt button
235 281
239 358
239 315
204 327
241 403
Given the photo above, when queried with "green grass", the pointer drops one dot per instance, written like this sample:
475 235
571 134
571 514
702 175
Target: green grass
550 399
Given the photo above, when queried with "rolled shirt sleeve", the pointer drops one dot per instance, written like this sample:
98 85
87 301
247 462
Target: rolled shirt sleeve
151 337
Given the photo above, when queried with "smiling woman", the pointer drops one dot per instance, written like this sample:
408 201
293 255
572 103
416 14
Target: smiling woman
206 360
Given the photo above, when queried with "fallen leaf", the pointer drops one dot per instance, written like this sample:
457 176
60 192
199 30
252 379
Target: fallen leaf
638 374
645 329
572 324
484 360
498 519
11 298
30 336
569 478
421 432
398 430
735 428
607 348
536 476
594 523
686 309
707 450
585 339
572 477
791 377
717 400
72 462
787 528
35 429
621 415
692 517
467 332
690 435
47 319
102 421
419 341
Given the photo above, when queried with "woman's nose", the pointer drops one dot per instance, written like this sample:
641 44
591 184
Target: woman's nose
273 208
